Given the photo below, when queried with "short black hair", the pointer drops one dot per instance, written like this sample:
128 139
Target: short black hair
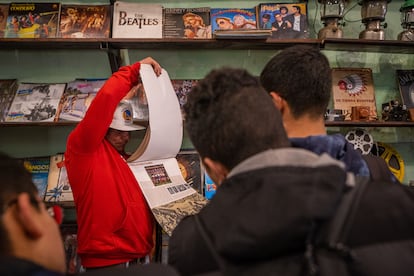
301 75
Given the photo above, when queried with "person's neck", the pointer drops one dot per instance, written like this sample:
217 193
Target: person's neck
304 126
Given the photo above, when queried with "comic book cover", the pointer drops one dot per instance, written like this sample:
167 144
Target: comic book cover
85 21
58 187
76 99
182 87
190 23
233 19
35 102
353 87
39 169
4 12
190 166
286 20
33 20
405 82
137 20
7 92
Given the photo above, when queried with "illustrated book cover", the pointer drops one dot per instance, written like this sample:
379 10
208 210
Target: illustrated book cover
405 82
4 12
189 23
232 20
85 21
354 87
137 20
285 20
33 20
58 187
76 99
155 164
39 169
182 87
35 102
7 92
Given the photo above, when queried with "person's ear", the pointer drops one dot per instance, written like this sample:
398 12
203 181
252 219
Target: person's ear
29 216
216 170
277 100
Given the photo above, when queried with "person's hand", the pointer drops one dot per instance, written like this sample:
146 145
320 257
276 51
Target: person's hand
155 65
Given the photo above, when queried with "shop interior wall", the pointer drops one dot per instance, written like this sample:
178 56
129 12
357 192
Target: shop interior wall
65 65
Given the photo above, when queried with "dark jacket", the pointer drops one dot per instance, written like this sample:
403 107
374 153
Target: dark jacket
339 148
261 217
11 266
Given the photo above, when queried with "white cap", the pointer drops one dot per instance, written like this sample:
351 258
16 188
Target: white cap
123 118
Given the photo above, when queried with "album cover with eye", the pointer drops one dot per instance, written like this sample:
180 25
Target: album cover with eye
188 23
353 91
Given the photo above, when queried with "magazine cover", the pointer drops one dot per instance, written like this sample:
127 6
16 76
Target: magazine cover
191 23
182 88
76 99
354 88
58 187
85 21
233 19
7 92
405 81
190 166
39 168
137 20
35 102
33 20
286 20
4 12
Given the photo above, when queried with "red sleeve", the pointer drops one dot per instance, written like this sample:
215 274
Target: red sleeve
90 132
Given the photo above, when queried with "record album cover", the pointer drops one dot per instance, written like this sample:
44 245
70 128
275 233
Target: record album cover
4 12
85 21
137 20
35 102
190 23
354 88
7 92
405 81
33 20
286 20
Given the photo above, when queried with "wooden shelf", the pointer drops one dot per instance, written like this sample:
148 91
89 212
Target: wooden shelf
369 124
364 45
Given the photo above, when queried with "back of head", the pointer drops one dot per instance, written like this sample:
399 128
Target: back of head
14 179
229 117
301 75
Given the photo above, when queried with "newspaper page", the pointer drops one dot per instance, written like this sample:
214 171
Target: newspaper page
154 163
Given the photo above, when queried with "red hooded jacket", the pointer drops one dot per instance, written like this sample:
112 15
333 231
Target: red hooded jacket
115 223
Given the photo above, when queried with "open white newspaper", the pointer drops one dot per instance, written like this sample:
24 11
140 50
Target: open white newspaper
154 164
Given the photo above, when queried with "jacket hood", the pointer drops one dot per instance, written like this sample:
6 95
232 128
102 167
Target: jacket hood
291 187
337 147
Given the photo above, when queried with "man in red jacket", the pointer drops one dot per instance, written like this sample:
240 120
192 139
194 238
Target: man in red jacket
115 224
